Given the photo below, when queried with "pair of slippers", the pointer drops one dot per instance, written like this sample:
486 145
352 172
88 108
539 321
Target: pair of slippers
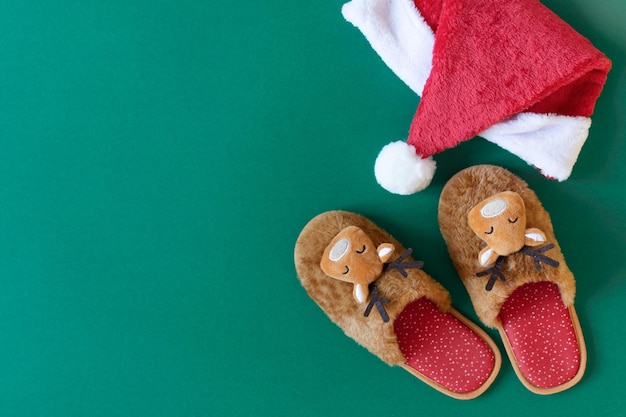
502 244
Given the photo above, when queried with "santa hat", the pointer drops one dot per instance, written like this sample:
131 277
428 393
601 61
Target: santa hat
510 71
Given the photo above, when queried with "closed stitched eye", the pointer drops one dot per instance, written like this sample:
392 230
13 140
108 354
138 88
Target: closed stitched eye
513 221
490 231
362 250
347 270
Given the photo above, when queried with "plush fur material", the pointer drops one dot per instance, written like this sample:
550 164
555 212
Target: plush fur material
493 59
549 142
508 70
335 297
464 191
500 221
352 257
400 170
399 34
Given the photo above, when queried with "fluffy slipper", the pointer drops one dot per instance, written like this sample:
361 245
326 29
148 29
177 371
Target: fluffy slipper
368 285
502 244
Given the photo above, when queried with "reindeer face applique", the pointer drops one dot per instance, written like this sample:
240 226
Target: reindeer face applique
500 221
352 257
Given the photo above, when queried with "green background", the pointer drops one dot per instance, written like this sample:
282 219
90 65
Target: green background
157 162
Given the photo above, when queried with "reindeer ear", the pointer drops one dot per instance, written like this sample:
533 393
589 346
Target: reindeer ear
385 250
360 293
487 256
534 237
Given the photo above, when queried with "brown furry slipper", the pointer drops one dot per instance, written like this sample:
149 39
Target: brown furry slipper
368 285
502 244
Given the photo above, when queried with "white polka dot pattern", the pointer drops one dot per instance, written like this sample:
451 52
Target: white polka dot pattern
541 334
441 347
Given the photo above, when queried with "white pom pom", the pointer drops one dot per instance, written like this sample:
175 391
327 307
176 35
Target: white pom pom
400 170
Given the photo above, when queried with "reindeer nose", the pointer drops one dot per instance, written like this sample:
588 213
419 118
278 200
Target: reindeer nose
493 208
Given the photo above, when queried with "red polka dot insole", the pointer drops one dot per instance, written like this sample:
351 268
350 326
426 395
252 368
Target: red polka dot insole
541 334
441 347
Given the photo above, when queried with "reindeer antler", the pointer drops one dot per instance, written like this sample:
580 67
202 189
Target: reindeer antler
402 266
378 301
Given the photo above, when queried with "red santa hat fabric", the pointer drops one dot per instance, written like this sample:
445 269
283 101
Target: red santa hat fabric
508 70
